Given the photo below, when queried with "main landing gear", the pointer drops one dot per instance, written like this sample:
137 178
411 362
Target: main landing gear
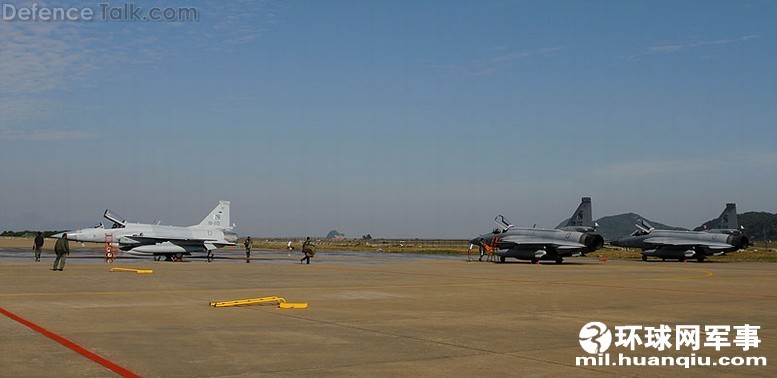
170 257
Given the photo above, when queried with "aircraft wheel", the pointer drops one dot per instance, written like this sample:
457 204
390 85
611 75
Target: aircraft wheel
533 261
644 257
559 260
502 259
700 259
179 257
682 259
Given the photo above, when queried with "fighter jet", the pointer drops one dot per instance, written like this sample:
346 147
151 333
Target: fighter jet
725 235
577 237
171 242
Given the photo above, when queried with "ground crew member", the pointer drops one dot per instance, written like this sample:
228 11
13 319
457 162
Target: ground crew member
248 245
37 246
62 250
308 249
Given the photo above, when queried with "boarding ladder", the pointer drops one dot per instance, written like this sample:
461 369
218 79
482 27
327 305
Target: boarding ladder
110 249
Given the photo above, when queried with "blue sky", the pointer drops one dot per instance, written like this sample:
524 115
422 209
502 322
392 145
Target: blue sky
395 118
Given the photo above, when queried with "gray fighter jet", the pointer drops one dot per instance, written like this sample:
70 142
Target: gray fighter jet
725 235
171 242
577 237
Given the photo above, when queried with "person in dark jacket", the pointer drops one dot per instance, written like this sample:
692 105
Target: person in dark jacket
308 249
248 244
62 250
37 246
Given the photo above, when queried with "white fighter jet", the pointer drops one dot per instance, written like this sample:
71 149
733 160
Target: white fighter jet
171 242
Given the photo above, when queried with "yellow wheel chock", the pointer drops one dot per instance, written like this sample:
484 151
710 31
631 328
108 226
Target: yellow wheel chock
251 301
139 271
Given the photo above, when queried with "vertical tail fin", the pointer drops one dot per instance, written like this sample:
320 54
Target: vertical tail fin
727 219
582 217
218 218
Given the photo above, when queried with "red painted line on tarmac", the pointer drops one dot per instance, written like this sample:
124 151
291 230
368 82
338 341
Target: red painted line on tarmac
75 347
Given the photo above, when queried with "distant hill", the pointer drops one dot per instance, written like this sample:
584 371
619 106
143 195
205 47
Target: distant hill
759 225
615 226
335 235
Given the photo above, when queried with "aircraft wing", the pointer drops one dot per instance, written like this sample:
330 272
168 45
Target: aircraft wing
521 240
684 243
156 239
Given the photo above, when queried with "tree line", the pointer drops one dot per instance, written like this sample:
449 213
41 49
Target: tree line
28 234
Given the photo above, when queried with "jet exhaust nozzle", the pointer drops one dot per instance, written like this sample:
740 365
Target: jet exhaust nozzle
592 241
739 241
230 237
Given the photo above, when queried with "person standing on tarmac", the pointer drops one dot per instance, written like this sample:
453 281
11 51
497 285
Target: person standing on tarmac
248 245
62 250
308 249
38 245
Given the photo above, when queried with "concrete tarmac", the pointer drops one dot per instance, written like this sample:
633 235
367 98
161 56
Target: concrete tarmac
371 314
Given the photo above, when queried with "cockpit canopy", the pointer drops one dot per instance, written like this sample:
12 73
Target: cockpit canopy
502 224
118 221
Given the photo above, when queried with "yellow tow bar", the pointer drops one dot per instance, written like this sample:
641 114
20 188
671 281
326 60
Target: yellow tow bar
251 301
139 271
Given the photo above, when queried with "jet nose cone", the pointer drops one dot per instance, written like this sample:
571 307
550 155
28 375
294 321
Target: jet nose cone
622 241
69 235
476 241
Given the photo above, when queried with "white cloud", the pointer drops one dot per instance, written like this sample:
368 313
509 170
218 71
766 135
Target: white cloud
43 60
41 56
502 60
38 59
675 47
666 48
230 23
